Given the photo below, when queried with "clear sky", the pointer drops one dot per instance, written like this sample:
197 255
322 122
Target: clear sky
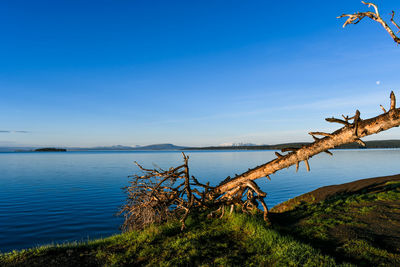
87 73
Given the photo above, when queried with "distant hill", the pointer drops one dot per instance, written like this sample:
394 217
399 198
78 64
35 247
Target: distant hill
130 148
369 144
160 147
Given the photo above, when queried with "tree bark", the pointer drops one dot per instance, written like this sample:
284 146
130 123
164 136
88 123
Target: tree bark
358 16
348 134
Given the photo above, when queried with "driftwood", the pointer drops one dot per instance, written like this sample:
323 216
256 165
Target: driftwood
158 194
161 194
358 16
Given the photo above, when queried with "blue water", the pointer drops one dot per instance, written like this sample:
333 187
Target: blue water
57 197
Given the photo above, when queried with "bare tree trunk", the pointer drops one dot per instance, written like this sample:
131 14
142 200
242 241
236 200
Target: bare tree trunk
350 133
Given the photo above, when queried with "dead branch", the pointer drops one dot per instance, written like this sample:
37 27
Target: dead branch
160 194
395 24
320 133
360 142
358 16
307 165
344 122
392 101
289 149
340 137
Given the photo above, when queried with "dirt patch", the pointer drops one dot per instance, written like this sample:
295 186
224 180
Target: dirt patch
323 193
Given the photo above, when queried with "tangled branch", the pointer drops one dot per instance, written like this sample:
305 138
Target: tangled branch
159 195
358 16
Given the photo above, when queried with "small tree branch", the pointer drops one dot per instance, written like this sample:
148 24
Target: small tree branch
392 101
334 120
373 5
358 16
395 24
307 165
289 149
360 142
320 133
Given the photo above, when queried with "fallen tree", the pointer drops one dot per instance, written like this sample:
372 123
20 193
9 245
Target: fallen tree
158 194
161 194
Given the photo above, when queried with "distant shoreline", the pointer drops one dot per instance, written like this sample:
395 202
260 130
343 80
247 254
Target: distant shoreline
50 149
379 144
369 145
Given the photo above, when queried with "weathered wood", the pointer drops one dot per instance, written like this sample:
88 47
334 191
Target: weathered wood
360 142
358 16
395 24
392 101
319 133
344 122
342 136
307 165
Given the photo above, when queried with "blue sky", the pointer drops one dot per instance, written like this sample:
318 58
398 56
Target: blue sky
86 73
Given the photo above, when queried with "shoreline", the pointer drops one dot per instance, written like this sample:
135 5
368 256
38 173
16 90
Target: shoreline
332 225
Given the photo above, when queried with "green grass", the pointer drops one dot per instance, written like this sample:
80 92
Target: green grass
343 225
236 239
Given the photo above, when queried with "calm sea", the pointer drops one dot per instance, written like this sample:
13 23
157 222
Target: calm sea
58 197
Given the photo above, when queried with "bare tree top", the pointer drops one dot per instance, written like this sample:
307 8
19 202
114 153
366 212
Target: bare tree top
358 16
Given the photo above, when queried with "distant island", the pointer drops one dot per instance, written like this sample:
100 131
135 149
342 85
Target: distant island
50 149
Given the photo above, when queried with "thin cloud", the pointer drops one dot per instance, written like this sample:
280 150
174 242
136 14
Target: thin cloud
7 131
348 101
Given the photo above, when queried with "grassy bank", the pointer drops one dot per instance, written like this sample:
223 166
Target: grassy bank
233 240
359 227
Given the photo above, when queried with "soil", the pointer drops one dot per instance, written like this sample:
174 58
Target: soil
323 193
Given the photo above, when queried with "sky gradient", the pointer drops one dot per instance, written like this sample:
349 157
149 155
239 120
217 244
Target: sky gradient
88 73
